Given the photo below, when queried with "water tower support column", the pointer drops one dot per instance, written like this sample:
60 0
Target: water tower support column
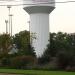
39 25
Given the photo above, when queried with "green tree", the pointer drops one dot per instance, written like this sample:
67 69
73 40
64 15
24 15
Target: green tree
22 40
62 46
5 43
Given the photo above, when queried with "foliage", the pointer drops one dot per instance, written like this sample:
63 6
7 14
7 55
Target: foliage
5 61
22 62
5 43
22 40
25 51
60 52
62 46
44 59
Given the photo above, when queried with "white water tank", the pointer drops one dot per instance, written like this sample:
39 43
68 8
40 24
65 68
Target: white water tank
39 11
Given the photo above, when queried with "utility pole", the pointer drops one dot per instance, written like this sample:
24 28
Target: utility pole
9 17
6 21
29 31
11 24
29 25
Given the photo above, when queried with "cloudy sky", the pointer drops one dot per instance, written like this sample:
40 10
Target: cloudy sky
61 19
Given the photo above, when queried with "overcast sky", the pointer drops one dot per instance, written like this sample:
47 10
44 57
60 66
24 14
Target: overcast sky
61 19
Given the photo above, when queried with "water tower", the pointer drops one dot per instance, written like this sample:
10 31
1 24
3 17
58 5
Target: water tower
39 11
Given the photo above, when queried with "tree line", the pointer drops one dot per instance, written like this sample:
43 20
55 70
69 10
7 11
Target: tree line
59 55
16 51
60 52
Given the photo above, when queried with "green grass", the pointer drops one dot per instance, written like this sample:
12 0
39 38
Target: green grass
35 72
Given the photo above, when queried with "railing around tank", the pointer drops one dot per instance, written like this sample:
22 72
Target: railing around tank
39 2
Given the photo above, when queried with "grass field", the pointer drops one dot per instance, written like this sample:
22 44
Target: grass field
35 72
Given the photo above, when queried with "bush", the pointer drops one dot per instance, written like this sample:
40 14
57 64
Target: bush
68 68
5 62
44 59
73 68
23 62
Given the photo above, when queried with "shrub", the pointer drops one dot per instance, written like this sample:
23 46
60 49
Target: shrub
73 68
5 61
23 62
68 68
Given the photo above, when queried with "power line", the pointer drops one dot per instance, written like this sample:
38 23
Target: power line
20 4
66 2
35 1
